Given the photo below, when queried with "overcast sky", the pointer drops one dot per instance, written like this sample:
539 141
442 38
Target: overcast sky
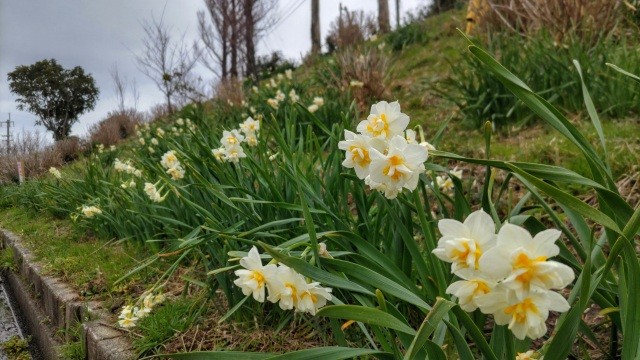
100 34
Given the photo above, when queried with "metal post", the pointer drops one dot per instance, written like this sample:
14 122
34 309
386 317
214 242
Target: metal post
8 136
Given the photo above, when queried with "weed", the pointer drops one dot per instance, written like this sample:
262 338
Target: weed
16 348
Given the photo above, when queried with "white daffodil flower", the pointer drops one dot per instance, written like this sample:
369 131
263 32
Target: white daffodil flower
274 103
522 261
318 101
251 139
526 316
169 160
250 126
280 96
293 96
357 149
218 153
385 121
231 138
288 74
176 172
312 108
410 135
313 298
287 288
473 286
153 193
463 244
255 278
55 172
400 167
90 211
234 154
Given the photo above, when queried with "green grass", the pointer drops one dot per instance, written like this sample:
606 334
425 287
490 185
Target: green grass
90 265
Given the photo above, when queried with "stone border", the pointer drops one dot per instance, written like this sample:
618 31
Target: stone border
50 305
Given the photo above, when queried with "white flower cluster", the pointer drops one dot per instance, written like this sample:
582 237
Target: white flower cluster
286 287
153 193
231 149
318 102
381 155
130 314
170 162
90 211
55 172
445 183
126 167
507 275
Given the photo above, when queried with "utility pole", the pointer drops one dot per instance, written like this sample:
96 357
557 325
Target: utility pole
8 136
316 42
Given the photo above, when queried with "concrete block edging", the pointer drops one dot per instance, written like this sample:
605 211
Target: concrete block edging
50 305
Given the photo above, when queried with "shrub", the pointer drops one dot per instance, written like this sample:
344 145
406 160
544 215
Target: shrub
117 126
363 73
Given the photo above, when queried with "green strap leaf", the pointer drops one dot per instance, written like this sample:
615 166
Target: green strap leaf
367 315
329 353
440 309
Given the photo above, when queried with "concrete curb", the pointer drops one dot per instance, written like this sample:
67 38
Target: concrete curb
49 306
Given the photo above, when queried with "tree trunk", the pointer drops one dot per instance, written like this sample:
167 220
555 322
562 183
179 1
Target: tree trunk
397 14
383 16
233 71
249 38
315 27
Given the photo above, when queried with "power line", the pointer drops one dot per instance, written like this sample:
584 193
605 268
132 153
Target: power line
285 17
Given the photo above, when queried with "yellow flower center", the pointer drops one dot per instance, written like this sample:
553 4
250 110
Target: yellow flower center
232 140
481 287
379 125
293 289
258 277
519 311
360 156
523 261
390 170
461 256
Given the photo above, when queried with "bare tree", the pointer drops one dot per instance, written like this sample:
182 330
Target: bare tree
383 16
229 30
397 13
315 26
166 61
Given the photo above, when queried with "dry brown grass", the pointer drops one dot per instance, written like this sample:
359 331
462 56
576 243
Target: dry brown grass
32 149
116 127
230 91
209 335
362 72
588 20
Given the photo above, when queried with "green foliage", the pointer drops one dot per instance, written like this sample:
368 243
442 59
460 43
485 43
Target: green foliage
57 96
166 321
16 348
481 97
414 32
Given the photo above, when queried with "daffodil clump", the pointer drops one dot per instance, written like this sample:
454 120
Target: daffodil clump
173 166
284 285
384 153
90 211
55 172
508 275
231 149
130 314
